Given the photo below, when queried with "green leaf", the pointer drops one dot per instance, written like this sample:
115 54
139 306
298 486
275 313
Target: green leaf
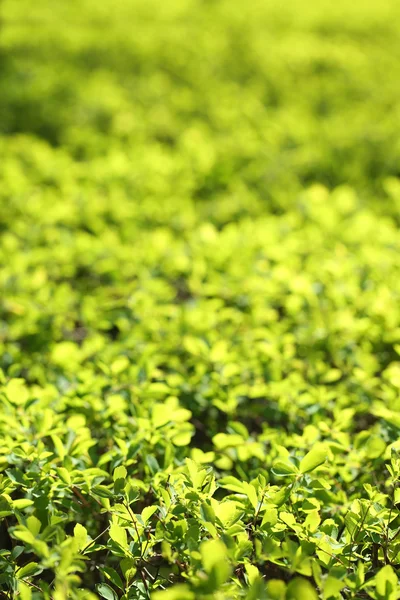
270 517
148 512
119 477
232 483
28 570
25 592
118 535
102 491
16 391
25 535
332 587
276 589
112 575
386 583
5 507
300 589
252 573
312 520
252 495
215 563
207 512
59 446
152 463
313 459
22 503
106 592
161 415
288 518
227 512
257 590
81 535
120 473
33 524
182 437
177 592
284 469
64 475
128 568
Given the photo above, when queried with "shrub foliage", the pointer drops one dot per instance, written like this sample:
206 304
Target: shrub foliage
200 317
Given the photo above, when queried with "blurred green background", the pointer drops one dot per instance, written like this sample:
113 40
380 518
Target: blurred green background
202 98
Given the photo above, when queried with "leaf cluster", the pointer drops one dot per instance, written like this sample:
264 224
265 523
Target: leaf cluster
200 300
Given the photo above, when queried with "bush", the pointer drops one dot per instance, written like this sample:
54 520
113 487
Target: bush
200 317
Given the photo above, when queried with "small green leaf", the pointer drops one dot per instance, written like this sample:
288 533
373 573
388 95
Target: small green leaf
252 495
113 576
118 535
119 477
270 517
386 583
148 512
102 491
16 391
177 592
287 518
120 473
22 503
284 469
276 589
128 568
215 563
313 459
300 589
252 573
5 507
25 592
28 570
232 484
312 520
80 534
106 592
161 415
207 512
64 475
332 587
59 446
33 524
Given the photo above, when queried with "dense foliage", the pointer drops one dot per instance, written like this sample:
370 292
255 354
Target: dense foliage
200 299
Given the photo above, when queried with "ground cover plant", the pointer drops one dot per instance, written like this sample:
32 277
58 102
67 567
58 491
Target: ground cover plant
199 308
